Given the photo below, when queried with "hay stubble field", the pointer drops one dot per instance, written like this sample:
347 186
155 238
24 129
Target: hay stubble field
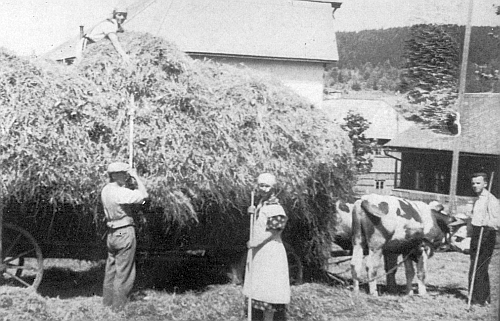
71 290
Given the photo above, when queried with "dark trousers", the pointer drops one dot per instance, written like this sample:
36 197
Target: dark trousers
481 291
120 267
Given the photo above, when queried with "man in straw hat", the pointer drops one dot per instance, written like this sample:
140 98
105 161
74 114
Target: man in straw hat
268 284
121 242
485 224
106 29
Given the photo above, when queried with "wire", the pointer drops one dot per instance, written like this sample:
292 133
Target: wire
164 17
141 10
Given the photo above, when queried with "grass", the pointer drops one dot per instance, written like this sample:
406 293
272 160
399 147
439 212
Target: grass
73 293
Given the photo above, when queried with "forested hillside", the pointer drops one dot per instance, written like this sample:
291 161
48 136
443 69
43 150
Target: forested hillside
375 59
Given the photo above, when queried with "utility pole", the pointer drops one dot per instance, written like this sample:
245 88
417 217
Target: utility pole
461 91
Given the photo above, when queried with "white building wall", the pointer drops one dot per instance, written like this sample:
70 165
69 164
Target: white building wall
305 78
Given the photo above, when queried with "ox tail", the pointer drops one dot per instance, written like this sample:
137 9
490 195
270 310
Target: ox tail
359 237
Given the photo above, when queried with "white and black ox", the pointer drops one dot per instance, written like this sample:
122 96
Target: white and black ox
388 226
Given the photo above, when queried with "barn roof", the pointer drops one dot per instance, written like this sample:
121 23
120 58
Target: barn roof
276 29
385 121
480 122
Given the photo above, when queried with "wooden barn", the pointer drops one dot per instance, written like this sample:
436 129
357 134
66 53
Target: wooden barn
426 155
293 40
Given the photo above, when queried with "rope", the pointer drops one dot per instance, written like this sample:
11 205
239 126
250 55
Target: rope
375 278
390 271
138 11
164 17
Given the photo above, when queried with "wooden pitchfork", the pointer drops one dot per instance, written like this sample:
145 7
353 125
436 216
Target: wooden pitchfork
250 258
131 132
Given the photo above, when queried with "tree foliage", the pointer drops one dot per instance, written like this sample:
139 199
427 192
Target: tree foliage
203 131
362 148
356 48
365 57
382 77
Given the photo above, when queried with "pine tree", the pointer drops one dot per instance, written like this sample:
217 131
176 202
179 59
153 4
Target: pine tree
431 73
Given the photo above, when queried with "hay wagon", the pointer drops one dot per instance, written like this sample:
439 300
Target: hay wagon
27 241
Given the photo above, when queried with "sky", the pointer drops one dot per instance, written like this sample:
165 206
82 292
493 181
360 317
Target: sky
36 26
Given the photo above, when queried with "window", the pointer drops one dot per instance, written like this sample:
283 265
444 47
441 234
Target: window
439 182
379 151
379 184
419 180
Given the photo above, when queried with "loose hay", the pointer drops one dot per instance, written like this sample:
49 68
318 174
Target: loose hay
203 131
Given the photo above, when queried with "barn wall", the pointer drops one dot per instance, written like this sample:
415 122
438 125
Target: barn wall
427 172
418 176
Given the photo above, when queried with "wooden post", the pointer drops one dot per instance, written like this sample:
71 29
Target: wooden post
461 91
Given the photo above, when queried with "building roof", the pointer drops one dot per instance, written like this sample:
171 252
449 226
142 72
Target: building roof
385 121
480 123
277 29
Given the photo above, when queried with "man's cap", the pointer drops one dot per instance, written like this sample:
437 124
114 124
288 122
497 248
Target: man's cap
122 9
266 178
118 167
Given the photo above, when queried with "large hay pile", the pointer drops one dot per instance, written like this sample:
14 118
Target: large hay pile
203 131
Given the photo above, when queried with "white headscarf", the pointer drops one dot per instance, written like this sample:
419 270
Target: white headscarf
267 178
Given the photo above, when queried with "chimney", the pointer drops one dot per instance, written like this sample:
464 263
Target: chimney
81 32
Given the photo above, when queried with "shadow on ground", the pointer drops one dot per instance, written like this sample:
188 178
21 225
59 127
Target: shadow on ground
459 293
65 283
178 277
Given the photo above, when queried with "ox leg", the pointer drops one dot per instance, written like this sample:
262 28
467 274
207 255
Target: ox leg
421 271
410 275
356 264
391 262
372 263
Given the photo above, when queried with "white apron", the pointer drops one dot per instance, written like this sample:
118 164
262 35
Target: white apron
270 282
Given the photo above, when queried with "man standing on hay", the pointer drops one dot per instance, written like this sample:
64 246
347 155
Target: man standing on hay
267 282
485 225
121 242
108 28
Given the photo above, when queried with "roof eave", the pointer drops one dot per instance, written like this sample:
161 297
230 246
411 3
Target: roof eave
437 151
239 56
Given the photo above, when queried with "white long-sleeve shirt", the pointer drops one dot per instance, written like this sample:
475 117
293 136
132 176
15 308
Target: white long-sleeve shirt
486 211
116 201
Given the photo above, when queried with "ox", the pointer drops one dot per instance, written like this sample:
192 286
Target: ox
389 226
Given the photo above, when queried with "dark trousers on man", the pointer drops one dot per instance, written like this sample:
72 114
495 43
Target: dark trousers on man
481 290
120 267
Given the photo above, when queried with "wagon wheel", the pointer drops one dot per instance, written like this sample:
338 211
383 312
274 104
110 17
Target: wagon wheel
295 268
22 261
